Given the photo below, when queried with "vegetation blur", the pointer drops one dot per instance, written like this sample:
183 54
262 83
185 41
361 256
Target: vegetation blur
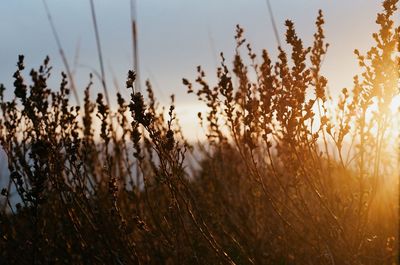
287 175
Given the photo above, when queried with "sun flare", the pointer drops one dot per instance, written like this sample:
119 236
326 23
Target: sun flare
395 118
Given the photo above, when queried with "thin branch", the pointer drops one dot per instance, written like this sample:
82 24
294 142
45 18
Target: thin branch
271 15
61 51
96 31
135 46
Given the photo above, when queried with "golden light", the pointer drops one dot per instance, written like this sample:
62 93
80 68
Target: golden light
395 113
395 105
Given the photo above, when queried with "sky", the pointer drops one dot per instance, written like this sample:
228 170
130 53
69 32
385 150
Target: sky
174 37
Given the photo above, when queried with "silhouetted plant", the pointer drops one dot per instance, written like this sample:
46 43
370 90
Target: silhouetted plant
287 175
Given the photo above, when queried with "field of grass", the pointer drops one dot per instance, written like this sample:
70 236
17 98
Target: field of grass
287 174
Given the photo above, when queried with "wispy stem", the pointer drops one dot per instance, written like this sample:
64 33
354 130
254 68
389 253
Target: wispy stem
135 43
271 15
96 31
62 53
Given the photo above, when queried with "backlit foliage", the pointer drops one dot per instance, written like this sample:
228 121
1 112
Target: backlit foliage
287 175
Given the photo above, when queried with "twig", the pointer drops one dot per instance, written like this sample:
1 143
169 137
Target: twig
61 51
135 47
96 31
271 15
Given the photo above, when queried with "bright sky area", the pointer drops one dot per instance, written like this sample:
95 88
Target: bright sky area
174 37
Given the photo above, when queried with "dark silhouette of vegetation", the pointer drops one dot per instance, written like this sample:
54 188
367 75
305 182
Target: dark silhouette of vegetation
287 174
